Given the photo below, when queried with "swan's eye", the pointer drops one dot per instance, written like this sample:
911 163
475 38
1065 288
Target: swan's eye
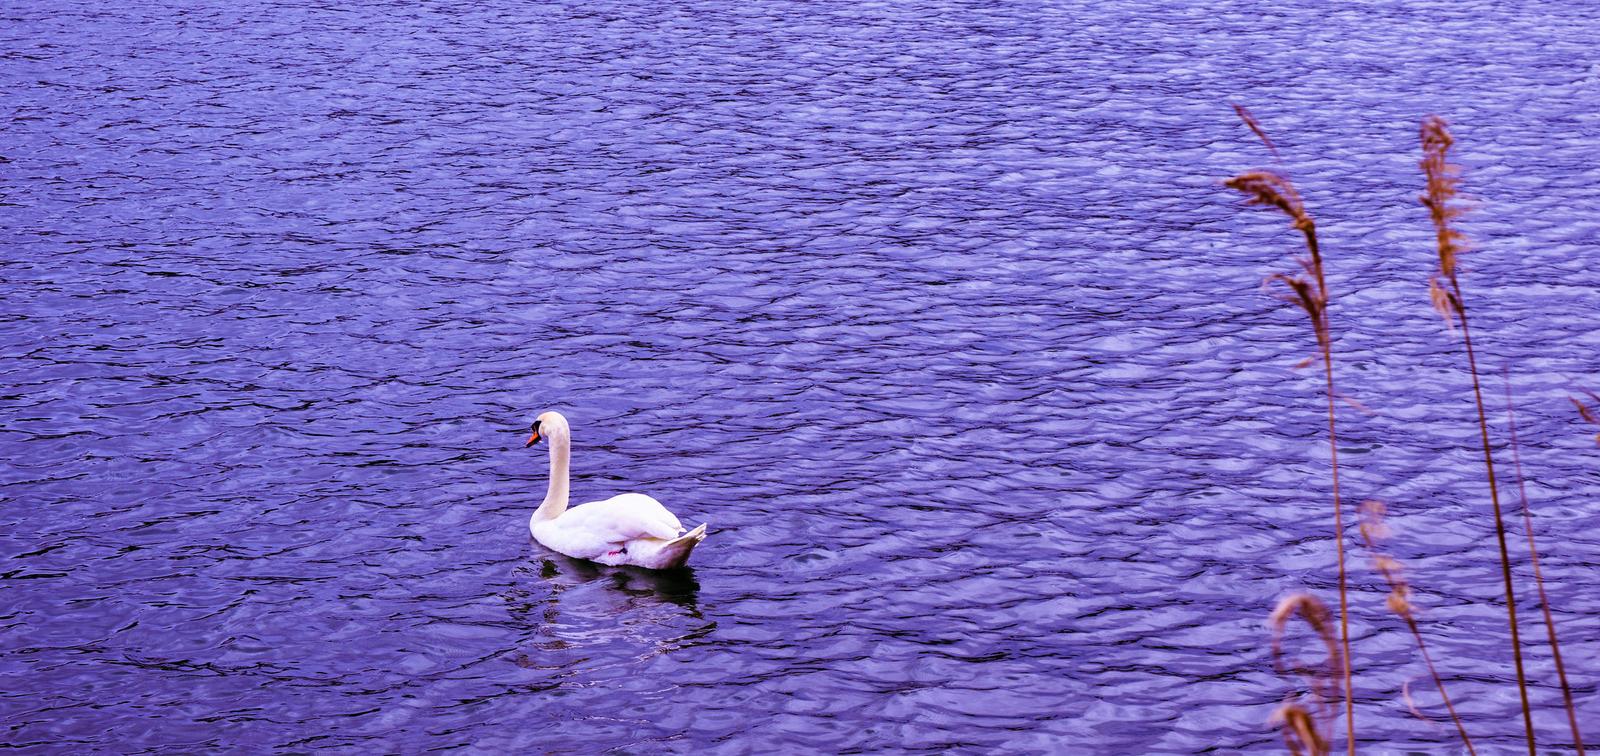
535 426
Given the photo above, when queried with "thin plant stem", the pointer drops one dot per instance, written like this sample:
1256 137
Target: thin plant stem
1441 188
1274 190
1372 529
1338 507
1499 524
1439 682
1300 726
1538 574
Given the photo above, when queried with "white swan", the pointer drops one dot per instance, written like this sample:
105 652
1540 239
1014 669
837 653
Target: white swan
628 528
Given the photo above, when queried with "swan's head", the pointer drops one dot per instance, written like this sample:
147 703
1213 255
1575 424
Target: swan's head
548 425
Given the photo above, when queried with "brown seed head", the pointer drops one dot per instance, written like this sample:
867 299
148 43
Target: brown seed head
1445 302
1399 601
1299 730
1325 680
1373 530
1443 179
1303 292
1273 190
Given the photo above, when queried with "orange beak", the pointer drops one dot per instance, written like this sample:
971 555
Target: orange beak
533 439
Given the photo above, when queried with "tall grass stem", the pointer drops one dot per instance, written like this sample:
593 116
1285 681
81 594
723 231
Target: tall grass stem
1538 573
1446 290
1275 190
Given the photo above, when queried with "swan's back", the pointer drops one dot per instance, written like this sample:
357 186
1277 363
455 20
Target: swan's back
624 517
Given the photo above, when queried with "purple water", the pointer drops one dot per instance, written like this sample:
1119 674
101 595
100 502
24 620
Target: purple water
935 311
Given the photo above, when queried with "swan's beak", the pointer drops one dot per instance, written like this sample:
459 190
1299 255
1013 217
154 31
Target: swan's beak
533 439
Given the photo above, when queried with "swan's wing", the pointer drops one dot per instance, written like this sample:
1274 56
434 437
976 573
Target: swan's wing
624 518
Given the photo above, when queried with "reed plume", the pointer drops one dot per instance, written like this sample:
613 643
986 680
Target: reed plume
1374 530
1309 290
1300 731
1445 291
1302 728
1538 575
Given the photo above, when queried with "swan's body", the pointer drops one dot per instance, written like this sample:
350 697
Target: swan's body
630 528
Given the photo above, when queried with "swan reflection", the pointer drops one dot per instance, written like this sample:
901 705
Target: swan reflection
677 586
626 612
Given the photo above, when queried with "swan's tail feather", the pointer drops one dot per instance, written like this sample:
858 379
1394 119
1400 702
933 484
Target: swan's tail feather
675 553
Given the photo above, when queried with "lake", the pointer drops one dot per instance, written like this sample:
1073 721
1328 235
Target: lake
935 311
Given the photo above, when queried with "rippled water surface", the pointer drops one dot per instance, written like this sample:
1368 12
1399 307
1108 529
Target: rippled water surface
934 310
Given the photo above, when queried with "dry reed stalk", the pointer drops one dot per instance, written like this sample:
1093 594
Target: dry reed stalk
1302 731
1538 574
1374 530
1310 293
1445 291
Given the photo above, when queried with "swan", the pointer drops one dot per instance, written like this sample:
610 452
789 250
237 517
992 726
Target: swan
629 528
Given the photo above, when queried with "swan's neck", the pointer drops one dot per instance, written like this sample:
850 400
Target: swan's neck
555 499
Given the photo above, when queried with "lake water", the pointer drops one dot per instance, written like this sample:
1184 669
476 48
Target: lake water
934 310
